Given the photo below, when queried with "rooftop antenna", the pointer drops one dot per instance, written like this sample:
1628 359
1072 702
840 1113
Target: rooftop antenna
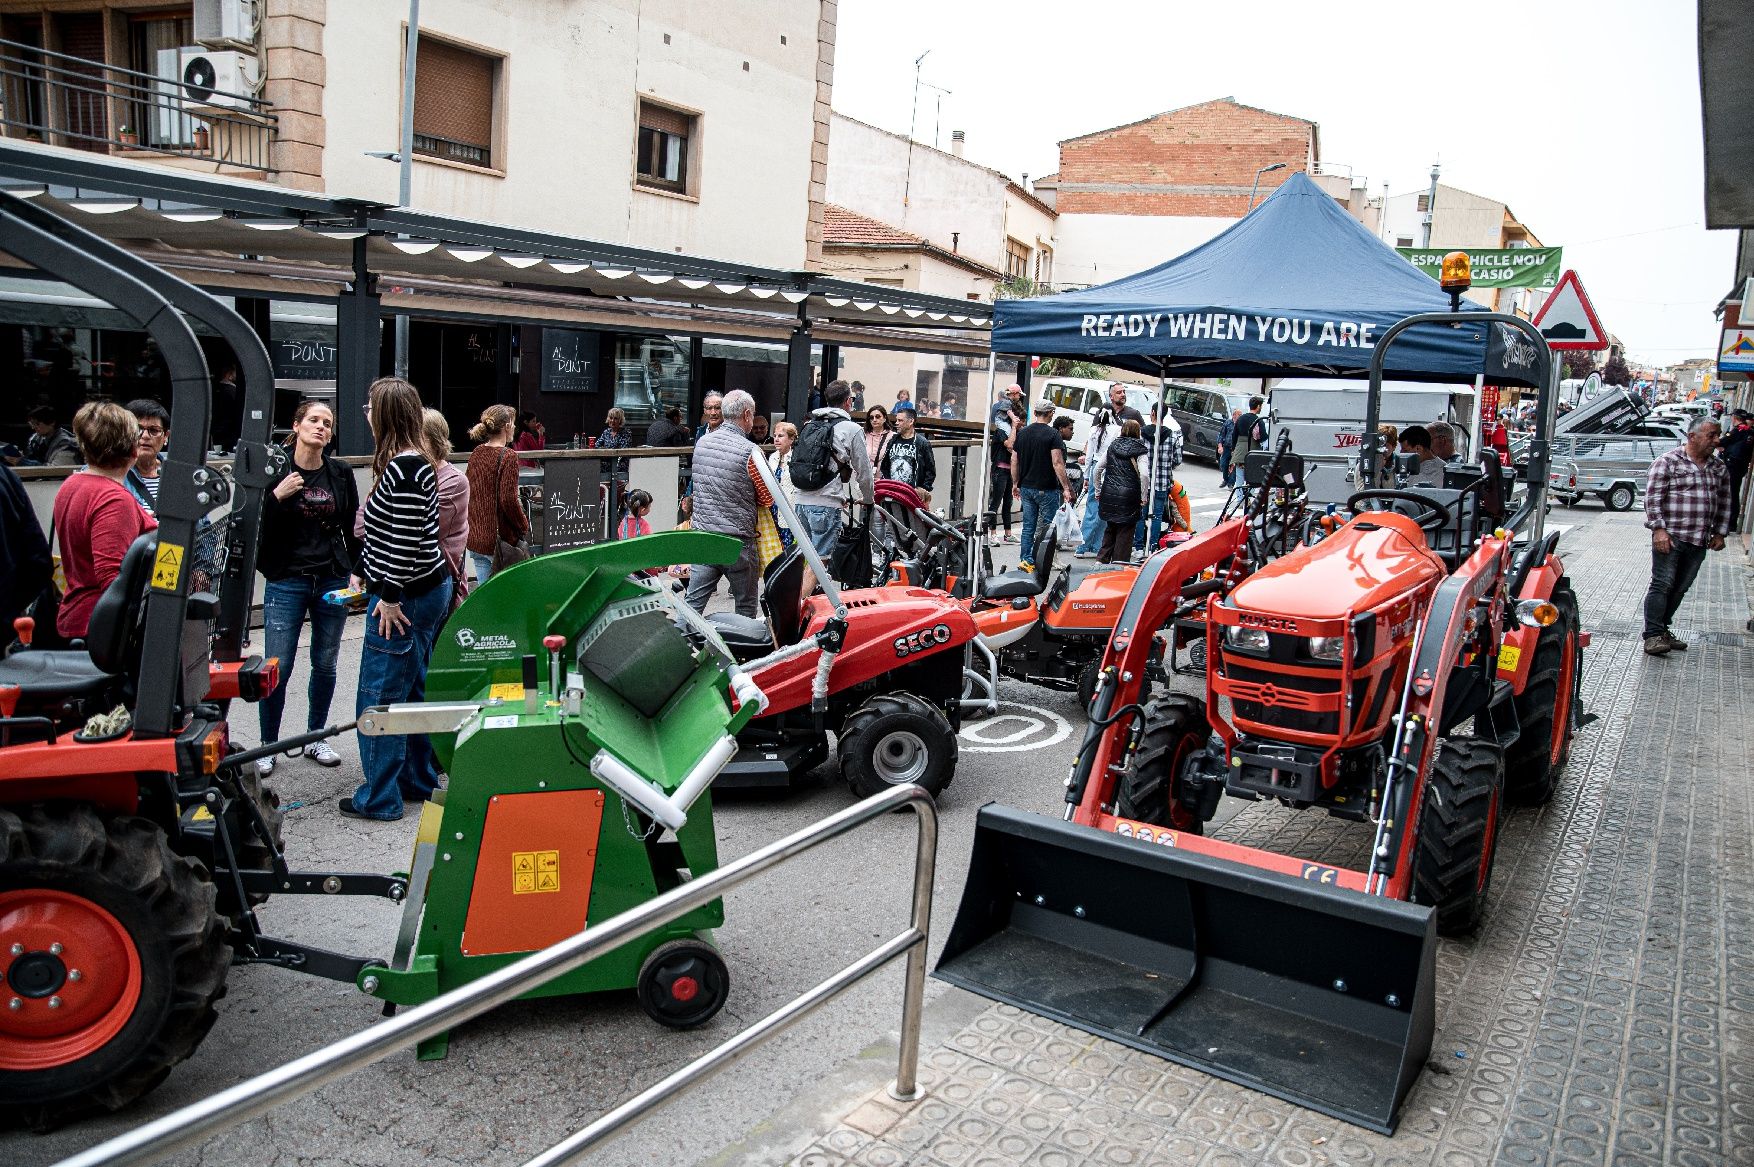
912 123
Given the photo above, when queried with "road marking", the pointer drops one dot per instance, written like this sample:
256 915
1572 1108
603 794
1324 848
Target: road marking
1034 728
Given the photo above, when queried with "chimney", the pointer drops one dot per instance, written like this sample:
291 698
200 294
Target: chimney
956 139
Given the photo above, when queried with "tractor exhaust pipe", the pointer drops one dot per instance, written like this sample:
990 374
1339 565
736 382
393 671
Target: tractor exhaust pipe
1300 989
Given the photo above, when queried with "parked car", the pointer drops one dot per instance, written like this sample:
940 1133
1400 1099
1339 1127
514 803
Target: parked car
1201 411
1612 467
1082 398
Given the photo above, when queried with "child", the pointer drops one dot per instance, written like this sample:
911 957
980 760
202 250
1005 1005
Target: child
634 522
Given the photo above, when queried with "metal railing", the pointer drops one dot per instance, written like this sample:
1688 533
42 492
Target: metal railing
452 150
92 105
193 1124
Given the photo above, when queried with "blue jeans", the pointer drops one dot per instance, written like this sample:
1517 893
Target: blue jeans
285 604
1039 508
1091 536
1155 513
483 567
822 525
397 767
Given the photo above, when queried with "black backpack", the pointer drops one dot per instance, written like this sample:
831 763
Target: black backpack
814 463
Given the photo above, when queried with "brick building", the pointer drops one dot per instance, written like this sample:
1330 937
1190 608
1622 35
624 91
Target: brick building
1133 196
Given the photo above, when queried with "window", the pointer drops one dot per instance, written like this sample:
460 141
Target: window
1016 260
1044 266
1424 203
664 138
454 91
1403 241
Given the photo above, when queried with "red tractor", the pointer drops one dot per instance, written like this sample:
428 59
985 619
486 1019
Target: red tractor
1412 664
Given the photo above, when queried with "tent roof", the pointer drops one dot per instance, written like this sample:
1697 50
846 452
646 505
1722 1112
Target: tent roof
1297 286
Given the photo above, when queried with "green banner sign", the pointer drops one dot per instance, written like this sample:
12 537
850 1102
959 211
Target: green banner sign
1508 267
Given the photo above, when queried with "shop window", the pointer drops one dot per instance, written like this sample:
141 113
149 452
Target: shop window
666 136
455 92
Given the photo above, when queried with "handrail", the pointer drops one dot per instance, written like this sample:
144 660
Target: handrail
188 1127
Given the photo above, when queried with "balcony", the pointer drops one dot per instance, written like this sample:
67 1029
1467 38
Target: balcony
90 105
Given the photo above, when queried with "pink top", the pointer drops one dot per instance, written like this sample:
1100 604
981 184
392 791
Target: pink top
633 526
96 521
453 499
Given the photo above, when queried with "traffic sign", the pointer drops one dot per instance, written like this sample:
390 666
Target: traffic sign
1567 320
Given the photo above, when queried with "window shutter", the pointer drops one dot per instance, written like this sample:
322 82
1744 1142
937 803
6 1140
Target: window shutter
665 121
453 94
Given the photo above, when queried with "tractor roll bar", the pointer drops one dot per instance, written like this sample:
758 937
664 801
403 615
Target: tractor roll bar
256 461
57 247
1546 402
189 1126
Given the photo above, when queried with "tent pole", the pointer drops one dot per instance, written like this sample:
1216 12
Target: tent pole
1476 424
986 482
1156 449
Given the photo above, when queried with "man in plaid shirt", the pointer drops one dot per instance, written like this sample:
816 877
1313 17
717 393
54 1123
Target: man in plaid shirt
1165 441
1687 508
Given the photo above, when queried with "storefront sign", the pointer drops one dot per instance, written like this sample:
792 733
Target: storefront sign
1507 267
303 360
569 361
572 506
1735 353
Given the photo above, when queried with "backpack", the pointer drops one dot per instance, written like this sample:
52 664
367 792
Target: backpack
1251 434
814 462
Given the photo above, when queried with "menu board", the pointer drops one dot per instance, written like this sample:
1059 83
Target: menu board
572 506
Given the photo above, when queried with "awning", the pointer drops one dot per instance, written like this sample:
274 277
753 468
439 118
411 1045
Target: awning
1726 92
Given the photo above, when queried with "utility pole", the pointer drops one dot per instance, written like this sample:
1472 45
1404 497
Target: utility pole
404 191
1431 204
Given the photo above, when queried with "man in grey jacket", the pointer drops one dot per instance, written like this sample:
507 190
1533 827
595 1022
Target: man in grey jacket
725 501
820 510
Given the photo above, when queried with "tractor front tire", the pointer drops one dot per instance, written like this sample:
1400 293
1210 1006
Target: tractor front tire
1548 710
1458 833
895 739
123 956
1175 729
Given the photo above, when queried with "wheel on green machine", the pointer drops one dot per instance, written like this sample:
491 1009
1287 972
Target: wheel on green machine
683 983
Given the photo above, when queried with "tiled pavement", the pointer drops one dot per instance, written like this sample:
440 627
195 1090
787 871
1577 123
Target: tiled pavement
1604 1014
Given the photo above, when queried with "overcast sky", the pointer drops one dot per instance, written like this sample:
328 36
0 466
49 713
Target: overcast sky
1582 116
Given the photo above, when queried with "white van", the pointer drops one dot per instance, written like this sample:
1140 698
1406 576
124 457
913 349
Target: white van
1082 398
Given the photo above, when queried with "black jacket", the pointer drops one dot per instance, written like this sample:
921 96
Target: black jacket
24 553
274 548
1122 493
909 460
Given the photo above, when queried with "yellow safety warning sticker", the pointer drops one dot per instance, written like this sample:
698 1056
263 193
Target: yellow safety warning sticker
1509 656
167 567
201 815
506 691
535 871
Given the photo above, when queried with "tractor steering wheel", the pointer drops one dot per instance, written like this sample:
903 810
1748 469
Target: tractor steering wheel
1431 516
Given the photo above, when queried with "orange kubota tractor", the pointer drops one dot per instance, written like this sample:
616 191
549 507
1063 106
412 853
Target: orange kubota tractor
1411 664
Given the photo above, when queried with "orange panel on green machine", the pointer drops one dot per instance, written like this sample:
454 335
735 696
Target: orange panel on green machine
533 875
1352 570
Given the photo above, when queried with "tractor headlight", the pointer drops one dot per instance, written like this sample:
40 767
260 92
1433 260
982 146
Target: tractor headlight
1246 639
1327 647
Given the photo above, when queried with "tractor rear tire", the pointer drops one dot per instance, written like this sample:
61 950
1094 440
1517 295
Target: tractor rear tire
683 983
1175 729
124 937
895 739
1548 710
1459 819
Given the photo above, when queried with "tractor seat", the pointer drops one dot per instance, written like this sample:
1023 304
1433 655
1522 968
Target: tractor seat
1009 585
782 597
72 684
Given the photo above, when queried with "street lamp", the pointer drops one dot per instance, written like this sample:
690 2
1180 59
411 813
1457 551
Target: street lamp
1257 185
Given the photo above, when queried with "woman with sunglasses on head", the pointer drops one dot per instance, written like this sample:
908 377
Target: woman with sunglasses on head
403 568
307 549
877 434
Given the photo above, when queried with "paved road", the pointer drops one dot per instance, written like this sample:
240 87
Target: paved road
532 1073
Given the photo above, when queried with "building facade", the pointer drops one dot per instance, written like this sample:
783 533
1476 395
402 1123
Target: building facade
1462 219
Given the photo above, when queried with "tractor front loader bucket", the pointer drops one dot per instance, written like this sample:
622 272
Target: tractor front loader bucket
1316 994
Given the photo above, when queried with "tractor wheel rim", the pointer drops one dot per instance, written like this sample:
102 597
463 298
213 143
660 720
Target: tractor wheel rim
71 978
1562 699
900 757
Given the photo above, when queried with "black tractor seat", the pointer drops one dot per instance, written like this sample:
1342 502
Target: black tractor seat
1011 585
782 598
70 685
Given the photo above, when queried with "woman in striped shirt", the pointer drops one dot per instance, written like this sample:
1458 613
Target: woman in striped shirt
404 569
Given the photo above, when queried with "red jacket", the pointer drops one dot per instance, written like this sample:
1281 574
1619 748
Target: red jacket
96 521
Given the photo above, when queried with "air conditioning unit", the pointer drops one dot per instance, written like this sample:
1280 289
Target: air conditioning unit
221 79
225 23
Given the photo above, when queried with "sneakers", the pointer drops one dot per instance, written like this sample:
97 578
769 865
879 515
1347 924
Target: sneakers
265 766
1082 554
1676 644
1657 645
322 754
1029 567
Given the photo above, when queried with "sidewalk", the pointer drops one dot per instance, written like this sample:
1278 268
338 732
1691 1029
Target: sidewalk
1604 1014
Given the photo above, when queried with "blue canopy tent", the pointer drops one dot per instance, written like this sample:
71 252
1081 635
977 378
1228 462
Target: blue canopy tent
1297 287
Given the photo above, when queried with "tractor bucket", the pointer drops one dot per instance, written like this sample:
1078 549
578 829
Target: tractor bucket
1316 994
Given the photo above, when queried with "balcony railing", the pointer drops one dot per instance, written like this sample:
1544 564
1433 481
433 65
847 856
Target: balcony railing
63 100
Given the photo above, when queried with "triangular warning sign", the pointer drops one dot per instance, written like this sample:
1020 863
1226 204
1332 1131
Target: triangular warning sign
1567 319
